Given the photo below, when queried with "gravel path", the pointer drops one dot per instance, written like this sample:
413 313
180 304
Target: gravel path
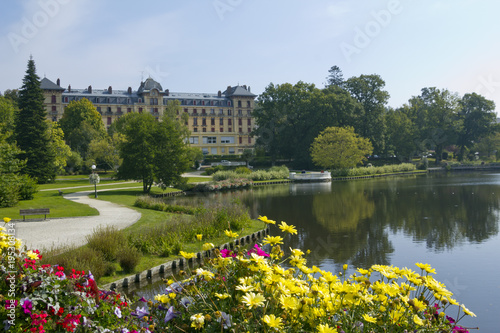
39 234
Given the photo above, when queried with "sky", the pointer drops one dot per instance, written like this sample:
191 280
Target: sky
203 46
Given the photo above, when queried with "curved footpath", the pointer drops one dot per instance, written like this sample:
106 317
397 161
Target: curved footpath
39 234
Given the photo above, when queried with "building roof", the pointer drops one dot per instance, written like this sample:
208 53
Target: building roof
46 84
239 91
149 85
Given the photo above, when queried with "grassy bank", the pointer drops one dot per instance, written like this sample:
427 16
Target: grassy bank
155 239
49 197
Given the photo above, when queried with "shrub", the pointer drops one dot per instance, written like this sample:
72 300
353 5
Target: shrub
106 240
27 188
364 171
82 258
9 192
159 204
242 170
275 172
128 258
423 164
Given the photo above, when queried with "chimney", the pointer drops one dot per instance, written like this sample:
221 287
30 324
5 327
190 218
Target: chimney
167 92
69 88
248 88
245 86
228 91
219 93
129 90
58 82
90 90
110 90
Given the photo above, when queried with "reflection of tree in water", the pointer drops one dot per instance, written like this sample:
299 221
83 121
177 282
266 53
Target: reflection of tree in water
342 211
346 213
441 216
352 222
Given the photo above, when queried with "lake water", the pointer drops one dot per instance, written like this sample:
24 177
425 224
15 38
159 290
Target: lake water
450 221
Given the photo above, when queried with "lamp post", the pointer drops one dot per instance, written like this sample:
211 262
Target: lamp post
94 179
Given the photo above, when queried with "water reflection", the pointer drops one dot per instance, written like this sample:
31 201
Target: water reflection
352 221
448 221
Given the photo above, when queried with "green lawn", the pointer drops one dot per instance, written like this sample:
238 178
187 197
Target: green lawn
48 196
59 207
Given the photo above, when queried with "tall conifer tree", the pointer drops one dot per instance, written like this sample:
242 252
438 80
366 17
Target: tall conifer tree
32 133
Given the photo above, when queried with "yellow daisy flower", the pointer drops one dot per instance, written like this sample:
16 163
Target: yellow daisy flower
287 228
187 255
273 240
273 321
253 300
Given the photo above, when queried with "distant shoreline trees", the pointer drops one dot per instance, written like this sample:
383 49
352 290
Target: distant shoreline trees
289 118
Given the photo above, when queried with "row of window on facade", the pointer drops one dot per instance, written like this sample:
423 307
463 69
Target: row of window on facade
221 121
213 140
229 129
212 112
152 101
213 151
213 103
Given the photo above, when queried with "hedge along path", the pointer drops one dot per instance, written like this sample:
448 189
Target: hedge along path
43 234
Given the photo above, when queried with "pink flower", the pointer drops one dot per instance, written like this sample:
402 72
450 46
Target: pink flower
257 250
227 253
26 305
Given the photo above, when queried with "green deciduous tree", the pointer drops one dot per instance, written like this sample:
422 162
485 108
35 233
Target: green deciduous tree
435 114
152 151
488 146
82 123
340 148
103 152
289 117
13 95
7 112
60 149
31 129
13 185
477 115
401 133
368 90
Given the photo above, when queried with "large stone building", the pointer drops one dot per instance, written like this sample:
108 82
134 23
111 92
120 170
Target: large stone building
220 123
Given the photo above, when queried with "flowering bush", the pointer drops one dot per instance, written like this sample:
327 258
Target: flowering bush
237 290
223 185
252 291
45 298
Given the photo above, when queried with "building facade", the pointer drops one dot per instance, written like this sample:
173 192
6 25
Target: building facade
220 123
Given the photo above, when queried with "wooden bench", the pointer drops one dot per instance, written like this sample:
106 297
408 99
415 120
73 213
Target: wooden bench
36 211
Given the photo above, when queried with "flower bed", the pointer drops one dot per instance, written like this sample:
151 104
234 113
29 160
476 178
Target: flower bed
223 185
238 290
